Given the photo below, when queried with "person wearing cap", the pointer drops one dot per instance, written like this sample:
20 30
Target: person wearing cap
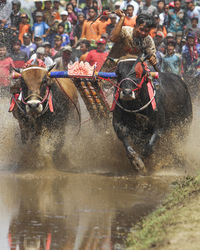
40 54
47 48
40 28
78 28
38 8
28 47
65 22
90 27
113 21
171 62
191 53
15 14
19 57
57 45
135 5
193 11
99 55
177 18
24 26
65 58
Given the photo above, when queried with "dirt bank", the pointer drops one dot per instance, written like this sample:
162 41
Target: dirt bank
175 224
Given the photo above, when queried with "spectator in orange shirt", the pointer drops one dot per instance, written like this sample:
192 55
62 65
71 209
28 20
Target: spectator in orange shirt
24 26
130 20
84 48
103 22
90 30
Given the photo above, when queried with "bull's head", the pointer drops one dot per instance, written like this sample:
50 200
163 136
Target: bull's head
35 89
130 74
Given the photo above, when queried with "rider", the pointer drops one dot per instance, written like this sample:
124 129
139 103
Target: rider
133 41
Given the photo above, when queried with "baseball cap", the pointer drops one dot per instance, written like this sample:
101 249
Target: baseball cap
58 37
40 50
64 13
27 35
169 35
38 37
46 44
38 14
101 40
160 33
118 3
24 15
67 48
191 34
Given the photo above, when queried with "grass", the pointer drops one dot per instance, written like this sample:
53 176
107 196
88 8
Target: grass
151 231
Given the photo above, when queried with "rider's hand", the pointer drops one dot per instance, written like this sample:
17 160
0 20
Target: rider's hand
120 13
153 60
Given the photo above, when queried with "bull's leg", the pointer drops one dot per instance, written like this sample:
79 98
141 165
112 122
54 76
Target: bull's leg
123 134
158 132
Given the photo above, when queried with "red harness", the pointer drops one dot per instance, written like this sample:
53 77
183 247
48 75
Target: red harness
149 87
48 96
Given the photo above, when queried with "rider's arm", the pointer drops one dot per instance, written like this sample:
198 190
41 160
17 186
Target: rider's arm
116 31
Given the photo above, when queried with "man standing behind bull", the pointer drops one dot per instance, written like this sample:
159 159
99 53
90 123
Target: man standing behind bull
134 41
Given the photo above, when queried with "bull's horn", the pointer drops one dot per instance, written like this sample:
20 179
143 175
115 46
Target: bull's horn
18 70
51 67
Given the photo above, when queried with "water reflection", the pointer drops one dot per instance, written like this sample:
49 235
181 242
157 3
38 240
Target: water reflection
73 211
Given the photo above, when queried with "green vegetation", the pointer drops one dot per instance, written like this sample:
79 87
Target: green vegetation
151 231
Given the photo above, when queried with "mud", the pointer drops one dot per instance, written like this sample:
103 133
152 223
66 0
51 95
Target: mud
90 202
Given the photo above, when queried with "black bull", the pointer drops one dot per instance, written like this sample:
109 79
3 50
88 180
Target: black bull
42 107
146 127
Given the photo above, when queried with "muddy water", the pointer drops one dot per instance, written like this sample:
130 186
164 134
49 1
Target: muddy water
92 208
73 211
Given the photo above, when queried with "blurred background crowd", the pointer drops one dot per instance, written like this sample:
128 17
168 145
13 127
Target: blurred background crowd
63 32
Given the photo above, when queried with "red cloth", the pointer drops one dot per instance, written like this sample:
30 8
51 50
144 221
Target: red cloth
5 67
96 57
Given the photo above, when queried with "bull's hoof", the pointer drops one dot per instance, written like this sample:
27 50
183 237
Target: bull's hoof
136 161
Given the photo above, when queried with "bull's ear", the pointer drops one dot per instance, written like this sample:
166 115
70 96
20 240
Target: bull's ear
51 67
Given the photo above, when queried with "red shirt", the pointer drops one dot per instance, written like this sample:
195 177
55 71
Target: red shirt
5 66
96 57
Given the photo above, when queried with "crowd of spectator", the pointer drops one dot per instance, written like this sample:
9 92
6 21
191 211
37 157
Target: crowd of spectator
63 32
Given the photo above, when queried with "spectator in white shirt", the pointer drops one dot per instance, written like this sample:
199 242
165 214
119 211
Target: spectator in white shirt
125 3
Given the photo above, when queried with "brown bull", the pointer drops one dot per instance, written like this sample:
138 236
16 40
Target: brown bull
44 105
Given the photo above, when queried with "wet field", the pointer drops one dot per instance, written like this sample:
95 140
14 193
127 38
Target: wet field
89 204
